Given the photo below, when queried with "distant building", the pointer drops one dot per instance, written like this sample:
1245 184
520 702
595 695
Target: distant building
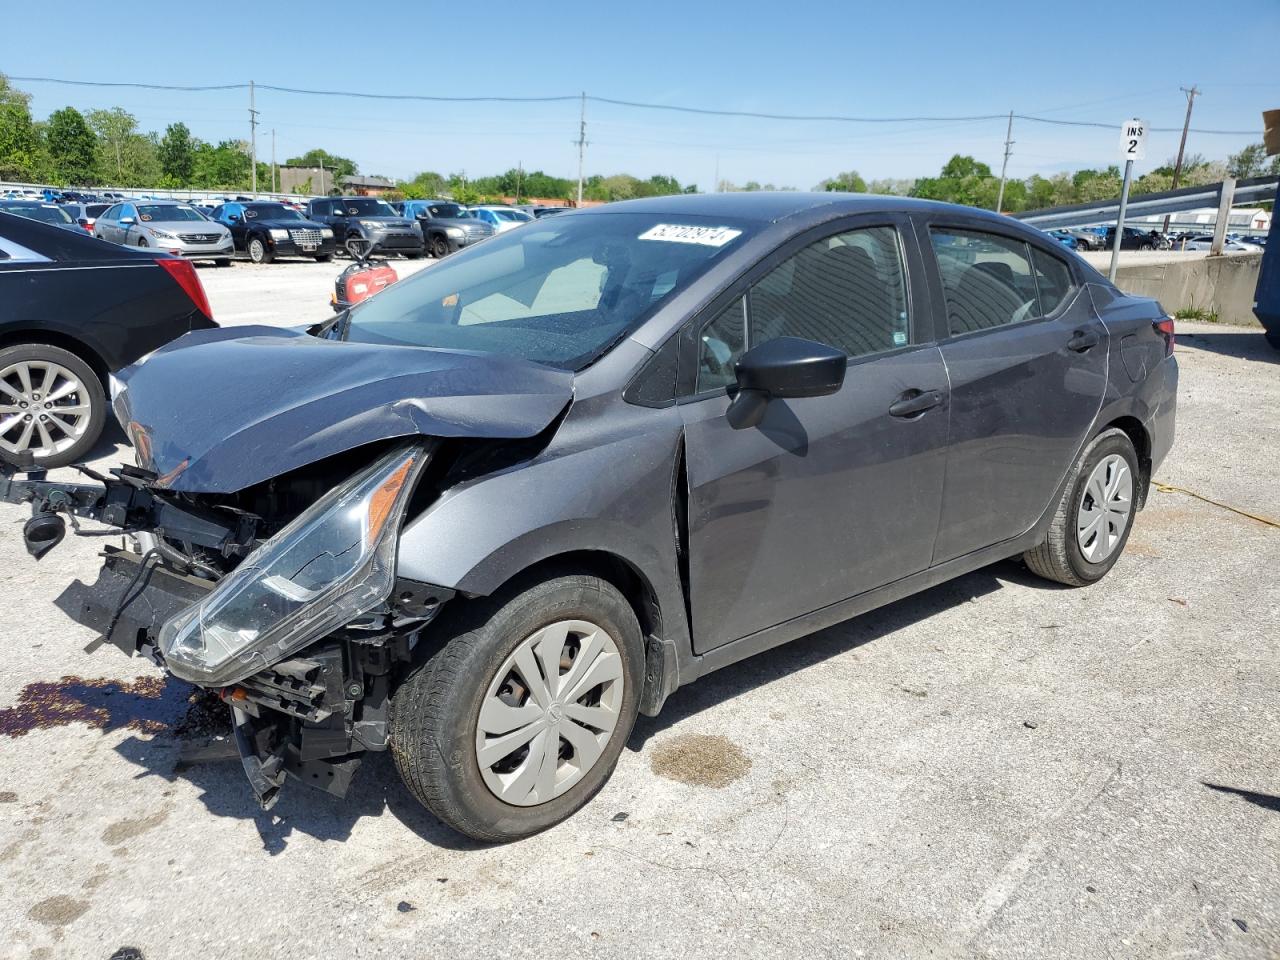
307 181
1242 219
366 186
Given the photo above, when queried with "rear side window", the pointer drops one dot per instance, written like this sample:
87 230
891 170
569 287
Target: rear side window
987 279
1053 280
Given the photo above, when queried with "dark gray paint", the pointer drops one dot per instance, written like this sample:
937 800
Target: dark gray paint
828 508
242 405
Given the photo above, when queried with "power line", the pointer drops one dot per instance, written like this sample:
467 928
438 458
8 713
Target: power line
634 104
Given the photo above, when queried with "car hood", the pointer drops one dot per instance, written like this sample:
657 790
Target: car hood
220 410
389 221
184 226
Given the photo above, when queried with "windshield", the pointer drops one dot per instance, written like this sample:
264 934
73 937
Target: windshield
38 211
365 207
558 291
167 213
449 211
271 211
516 215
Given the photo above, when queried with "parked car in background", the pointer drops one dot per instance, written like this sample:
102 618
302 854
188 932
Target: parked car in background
502 219
52 213
1204 241
493 513
265 231
1066 239
64 329
86 214
371 219
168 225
1087 238
540 212
1133 239
446 226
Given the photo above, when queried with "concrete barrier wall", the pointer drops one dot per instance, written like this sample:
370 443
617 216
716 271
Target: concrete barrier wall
1224 284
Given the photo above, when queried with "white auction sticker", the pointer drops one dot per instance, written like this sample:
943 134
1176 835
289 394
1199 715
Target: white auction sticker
677 233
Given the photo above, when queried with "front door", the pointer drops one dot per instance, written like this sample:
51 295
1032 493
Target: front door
1026 356
828 496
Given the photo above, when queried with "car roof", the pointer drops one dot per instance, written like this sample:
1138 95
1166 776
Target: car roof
769 207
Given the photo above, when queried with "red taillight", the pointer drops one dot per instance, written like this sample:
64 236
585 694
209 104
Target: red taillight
185 274
1165 329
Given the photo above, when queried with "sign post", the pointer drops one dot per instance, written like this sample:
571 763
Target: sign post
1133 146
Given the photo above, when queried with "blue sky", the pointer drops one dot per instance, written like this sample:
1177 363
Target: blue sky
902 58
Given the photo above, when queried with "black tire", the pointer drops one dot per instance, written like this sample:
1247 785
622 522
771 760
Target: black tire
1059 557
323 257
1145 246
95 396
1273 338
142 241
435 710
439 247
415 254
259 252
224 262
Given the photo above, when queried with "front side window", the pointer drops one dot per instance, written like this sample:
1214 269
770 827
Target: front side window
847 291
559 292
987 279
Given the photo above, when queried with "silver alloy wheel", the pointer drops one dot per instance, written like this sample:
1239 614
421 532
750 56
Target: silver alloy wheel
549 712
1104 508
44 408
256 250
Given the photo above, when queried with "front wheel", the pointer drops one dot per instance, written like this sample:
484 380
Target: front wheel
323 257
516 720
1091 524
415 254
439 247
258 251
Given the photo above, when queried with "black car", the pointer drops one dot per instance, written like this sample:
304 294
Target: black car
368 218
1133 239
268 230
76 309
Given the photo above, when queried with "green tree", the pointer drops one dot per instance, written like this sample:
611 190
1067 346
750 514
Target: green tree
114 128
963 180
71 146
20 147
849 182
11 94
333 164
891 186
177 154
223 166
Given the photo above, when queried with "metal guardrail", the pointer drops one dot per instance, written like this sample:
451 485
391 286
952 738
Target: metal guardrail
1253 190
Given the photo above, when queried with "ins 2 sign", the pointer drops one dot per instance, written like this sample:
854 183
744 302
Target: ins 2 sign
1133 140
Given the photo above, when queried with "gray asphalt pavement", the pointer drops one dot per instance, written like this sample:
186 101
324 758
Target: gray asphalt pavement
996 768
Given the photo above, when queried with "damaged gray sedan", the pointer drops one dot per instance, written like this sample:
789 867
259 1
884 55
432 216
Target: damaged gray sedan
488 516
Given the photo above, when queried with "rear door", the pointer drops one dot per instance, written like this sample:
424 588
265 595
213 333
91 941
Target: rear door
828 496
1026 357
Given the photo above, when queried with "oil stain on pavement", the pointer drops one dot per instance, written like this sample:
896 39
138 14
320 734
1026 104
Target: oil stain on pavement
148 705
700 760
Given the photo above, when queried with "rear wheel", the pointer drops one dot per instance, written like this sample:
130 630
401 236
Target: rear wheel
519 718
258 251
52 405
1091 524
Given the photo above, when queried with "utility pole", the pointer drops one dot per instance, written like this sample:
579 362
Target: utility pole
1182 144
323 192
1004 167
253 140
519 174
581 142
274 188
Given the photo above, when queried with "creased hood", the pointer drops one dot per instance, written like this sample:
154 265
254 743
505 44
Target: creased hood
220 410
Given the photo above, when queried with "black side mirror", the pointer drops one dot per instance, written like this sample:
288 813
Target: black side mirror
784 368
234 218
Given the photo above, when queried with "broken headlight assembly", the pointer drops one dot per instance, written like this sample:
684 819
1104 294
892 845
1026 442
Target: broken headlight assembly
333 563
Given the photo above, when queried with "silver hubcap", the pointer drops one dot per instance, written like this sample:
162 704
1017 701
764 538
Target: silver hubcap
549 712
255 251
44 408
1104 508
